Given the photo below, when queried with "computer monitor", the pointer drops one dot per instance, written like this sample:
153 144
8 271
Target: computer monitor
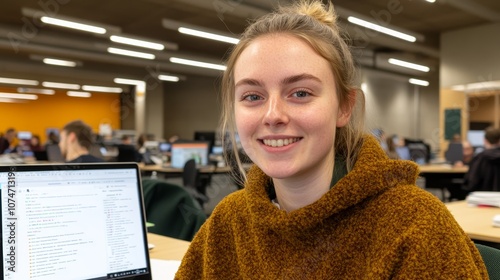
476 138
164 147
24 135
72 221
403 153
184 151
208 136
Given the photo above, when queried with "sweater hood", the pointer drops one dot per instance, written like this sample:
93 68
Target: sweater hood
372 173
492 155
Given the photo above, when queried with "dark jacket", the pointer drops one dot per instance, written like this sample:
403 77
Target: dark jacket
86 159
484 172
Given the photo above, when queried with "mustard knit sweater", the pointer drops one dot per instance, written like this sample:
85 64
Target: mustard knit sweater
373 224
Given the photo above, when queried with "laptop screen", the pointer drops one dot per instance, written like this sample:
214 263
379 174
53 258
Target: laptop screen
82 221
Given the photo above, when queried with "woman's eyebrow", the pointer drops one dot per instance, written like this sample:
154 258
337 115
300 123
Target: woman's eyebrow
285 81
299 77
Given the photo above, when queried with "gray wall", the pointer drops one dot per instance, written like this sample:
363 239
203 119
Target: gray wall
470 55
190 106
155 113
398 107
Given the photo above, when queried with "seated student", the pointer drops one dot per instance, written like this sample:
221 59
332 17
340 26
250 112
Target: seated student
9 142
322 200
391 149
35 145
76 140
484 168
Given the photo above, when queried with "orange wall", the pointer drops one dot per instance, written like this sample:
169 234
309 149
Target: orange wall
54 111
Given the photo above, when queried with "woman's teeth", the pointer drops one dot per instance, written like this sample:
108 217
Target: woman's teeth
279 142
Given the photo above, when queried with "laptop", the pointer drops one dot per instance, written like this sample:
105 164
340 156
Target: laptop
73 221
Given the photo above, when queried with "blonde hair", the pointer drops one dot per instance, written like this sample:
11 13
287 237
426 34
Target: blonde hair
314 23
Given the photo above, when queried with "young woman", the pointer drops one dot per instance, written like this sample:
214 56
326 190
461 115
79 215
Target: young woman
322 201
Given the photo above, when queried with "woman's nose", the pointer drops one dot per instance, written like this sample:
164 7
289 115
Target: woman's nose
276 112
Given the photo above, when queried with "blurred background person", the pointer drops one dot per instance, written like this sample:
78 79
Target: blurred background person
35 144
76 140
9 142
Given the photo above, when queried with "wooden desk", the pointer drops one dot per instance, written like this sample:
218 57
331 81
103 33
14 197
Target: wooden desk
443 169
171 170
167 248
477 222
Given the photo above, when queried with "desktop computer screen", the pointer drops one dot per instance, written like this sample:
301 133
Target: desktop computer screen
24 135
184 151
476 138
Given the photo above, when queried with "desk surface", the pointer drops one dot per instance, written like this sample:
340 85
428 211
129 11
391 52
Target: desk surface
477 222
442 168
167 248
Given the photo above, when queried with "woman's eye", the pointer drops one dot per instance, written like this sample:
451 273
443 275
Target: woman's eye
301 93
252 97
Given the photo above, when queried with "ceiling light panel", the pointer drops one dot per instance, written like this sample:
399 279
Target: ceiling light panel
208 35
128 81
79 94
73 25
382 29
131 53
18 96
59 62
410 65
102 89
13 81
418 82
197 63
36 90
137 43
168 78
60 85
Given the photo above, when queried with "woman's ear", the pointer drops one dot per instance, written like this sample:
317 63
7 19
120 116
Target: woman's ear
345 110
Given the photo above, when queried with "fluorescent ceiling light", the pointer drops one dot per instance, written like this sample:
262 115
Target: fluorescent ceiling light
409 65
73 25
197 63
78 94
36 90
136 42
131 53
128 81
168 78
60 85
431 1
419 82
102 89
18 81
18 96
208 35
59 62
10 100
382 29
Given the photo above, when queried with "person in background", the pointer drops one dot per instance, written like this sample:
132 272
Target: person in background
35 145
322 200
52 139
391 148
141 140
76 140
468 154
484 168
126 140
9 142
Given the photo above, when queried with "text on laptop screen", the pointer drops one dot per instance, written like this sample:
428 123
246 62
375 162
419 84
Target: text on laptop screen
79 223
184 151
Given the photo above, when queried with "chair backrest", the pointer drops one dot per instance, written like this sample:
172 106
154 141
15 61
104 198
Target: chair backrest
127 153
190 174
491 258
54 153
172 209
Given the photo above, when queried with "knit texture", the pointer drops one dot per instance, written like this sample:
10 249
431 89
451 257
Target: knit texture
373 224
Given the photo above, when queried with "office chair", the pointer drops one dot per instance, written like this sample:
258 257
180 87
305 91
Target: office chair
127 153
191 181
172 209
54 153
491 258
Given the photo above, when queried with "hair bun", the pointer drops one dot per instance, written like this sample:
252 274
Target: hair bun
317 10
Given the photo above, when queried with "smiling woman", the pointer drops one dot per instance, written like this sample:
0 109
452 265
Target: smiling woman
322 201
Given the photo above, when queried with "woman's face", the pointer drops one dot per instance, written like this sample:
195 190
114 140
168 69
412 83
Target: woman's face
286 107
